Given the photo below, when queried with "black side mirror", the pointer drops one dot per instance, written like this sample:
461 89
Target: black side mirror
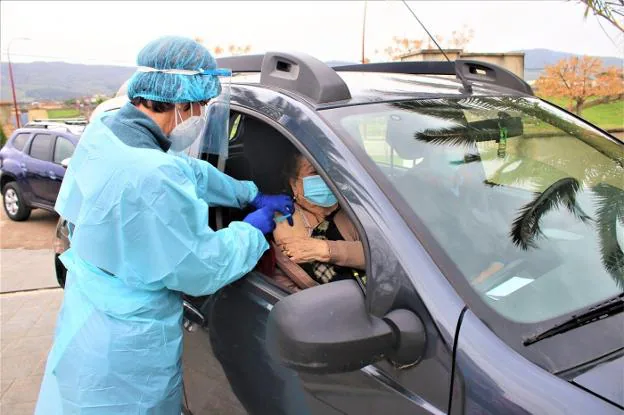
326 329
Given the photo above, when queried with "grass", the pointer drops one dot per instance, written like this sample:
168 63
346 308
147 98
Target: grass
607 116
64 113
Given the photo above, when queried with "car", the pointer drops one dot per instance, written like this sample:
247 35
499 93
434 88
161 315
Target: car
493 227
33 163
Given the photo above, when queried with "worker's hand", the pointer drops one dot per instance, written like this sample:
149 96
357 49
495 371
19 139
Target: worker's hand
305 249
261 219
277 203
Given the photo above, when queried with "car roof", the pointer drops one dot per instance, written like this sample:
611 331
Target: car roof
371 87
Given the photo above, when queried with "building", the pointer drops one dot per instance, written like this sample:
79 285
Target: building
512 61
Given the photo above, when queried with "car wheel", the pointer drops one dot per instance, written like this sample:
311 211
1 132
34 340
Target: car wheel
14 204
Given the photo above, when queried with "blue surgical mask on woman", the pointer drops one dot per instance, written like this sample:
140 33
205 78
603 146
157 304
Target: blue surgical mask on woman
316 191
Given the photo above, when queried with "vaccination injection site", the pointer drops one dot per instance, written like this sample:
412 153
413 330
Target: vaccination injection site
312 207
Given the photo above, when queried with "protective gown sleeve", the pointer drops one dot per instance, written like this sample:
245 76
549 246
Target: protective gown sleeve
217 188
167 240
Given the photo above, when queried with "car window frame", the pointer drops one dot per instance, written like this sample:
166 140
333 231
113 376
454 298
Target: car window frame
50 146
342 201
56 139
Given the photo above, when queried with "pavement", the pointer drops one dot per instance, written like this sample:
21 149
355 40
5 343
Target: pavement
29 302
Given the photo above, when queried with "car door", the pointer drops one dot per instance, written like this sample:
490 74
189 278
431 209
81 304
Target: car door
236 316
63 149
38 162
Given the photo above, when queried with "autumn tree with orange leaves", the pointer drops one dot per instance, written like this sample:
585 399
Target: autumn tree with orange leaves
584 80
229 50
458 39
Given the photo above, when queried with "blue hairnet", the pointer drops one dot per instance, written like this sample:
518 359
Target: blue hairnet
173 52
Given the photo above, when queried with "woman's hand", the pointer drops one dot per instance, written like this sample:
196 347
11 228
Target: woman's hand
305 249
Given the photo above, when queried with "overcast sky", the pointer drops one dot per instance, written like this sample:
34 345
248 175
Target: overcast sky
113 32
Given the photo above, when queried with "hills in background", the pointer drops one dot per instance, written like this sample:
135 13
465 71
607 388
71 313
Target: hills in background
61 81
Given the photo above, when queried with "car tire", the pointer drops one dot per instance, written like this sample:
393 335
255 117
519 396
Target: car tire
14 203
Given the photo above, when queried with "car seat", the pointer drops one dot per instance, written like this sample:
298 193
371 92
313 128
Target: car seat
257 152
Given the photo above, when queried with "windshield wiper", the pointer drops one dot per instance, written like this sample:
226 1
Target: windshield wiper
612 306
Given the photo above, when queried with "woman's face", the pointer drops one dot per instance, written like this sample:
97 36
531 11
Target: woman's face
305 169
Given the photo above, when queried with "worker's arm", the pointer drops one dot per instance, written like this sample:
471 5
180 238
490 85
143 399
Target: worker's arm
217 188
184 254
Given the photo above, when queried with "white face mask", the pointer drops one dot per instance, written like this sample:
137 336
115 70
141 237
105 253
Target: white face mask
187 131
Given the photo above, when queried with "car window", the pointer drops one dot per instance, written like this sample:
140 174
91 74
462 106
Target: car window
20 141
40 147
63 149
525 199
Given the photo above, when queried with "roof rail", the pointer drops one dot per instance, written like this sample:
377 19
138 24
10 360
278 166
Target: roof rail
469 70
293 71
308 76
304 74
61 120
245 63
409 67
489 73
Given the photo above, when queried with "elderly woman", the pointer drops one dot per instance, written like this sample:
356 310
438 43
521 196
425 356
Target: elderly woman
322 243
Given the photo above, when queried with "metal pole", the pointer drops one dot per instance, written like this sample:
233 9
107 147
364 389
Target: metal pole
17 120
364 32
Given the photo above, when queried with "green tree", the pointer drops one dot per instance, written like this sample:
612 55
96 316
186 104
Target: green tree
3 137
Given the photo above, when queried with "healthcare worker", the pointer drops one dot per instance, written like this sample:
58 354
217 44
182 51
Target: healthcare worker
138 208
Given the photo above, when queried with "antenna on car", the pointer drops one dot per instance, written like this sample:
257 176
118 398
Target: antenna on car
465 83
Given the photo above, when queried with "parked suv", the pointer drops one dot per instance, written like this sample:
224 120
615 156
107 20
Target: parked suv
32 166
493 231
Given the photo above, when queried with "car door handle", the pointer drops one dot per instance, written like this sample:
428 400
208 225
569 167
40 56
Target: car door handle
51 175
23 166
192 316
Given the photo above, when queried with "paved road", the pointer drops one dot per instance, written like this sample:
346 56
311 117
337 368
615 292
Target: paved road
28 321
28 317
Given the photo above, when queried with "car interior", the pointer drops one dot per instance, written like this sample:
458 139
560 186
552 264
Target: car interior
257 152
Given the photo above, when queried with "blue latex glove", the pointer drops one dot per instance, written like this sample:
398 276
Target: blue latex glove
261 219
277 203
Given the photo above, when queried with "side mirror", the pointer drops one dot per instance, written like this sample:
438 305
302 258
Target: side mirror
326 329
65 162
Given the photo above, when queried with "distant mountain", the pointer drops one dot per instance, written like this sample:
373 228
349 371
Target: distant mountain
60 81
536 59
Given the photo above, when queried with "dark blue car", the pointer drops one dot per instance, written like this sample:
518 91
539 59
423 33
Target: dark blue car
493 231
32 168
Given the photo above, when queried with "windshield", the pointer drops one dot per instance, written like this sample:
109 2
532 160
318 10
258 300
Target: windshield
527 200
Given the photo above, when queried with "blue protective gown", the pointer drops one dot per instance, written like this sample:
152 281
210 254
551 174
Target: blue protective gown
141 239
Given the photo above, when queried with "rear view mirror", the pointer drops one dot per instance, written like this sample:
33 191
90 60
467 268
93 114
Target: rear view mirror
326 329
65 162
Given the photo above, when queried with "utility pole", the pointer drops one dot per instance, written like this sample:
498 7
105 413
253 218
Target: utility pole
17 120
364 32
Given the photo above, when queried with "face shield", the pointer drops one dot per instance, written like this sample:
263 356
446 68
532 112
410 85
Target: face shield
213 139
206 129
